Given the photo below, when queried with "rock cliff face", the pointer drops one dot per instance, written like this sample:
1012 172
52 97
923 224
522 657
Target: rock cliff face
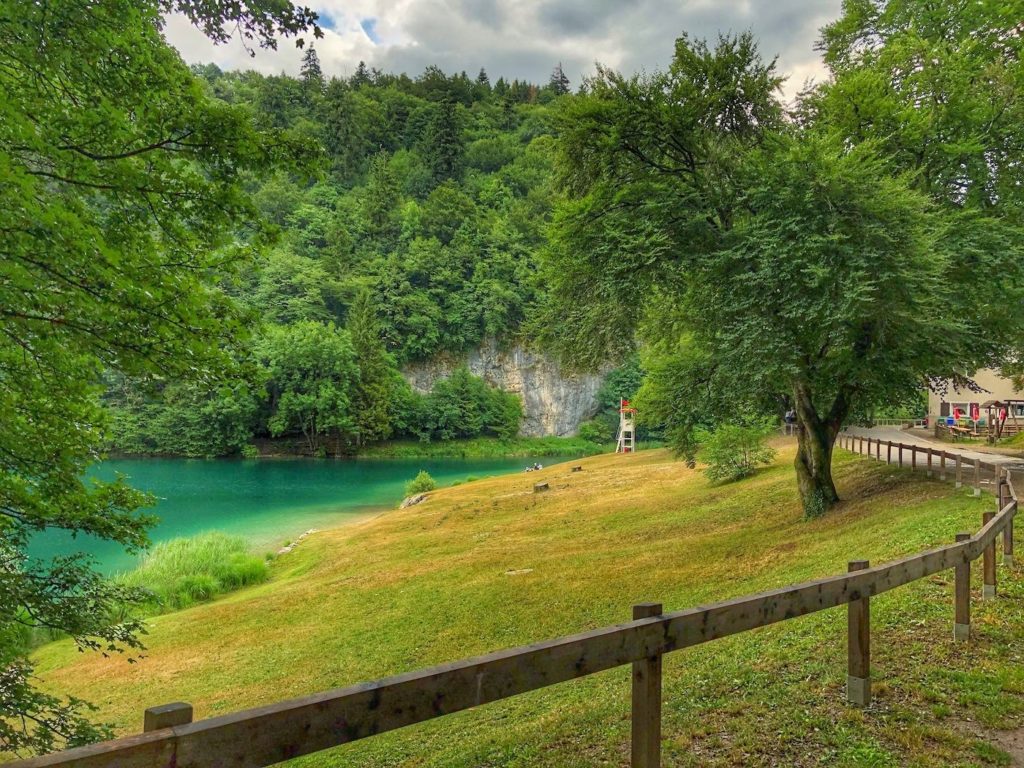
554 403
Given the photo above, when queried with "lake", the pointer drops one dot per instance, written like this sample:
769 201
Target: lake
268 501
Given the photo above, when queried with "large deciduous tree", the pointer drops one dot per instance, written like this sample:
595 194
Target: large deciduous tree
768 263
120 188
939 87
311 371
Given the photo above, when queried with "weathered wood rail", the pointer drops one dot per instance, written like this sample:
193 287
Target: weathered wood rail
277 732
933 460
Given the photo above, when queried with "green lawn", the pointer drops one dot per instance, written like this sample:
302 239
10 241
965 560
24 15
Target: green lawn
489 564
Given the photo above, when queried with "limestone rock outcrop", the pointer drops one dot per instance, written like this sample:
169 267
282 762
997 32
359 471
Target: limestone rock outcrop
554 402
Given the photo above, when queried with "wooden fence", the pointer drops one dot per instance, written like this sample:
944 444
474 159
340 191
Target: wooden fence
933 461
277 732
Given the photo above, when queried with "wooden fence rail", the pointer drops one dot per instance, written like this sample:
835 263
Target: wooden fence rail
267 735
982 472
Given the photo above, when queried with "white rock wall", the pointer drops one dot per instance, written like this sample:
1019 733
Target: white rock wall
554 403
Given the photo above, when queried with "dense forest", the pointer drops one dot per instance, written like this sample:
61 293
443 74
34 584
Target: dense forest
416 233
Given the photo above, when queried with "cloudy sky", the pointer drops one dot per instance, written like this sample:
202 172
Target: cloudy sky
526 38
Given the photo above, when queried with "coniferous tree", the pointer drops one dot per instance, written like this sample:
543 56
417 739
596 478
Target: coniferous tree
482 86
559 83
445 145
361 76
312 74
381 199
375 397
344 128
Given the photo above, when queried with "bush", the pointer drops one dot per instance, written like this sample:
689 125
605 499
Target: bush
422 483
463 406
182 572
594 431
734 451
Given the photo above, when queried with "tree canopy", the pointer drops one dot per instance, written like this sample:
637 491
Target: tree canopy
813 262
121 207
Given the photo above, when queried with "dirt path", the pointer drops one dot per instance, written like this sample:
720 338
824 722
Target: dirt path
1012 742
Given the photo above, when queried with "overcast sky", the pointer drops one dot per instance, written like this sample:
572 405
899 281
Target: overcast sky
526 38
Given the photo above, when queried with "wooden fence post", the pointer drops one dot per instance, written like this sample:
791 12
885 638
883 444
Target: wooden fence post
913 458
977 477
646 746
166 716
1006 499
900 446
930 452
888 454
858 669
988 589
959 471
1008 542
962 597
942 466
878 449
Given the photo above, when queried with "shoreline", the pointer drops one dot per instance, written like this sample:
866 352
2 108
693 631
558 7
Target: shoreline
476 448
472 448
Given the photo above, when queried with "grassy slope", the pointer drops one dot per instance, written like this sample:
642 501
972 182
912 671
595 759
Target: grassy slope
432 583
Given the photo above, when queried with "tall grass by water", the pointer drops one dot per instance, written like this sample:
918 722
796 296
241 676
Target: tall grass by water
183 572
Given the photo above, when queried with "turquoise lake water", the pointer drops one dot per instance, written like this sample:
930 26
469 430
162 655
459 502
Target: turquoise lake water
267 501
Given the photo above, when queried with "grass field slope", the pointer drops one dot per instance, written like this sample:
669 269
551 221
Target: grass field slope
490 564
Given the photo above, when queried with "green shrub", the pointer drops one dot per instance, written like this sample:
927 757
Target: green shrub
250 452
422 483
734 451
182 572
595 431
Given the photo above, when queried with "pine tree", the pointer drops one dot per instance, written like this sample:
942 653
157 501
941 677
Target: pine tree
559 83
381 199
376 393
482 86
311 73
508 113
361 76
444 142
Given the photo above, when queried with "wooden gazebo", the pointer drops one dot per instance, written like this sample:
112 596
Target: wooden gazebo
1002 419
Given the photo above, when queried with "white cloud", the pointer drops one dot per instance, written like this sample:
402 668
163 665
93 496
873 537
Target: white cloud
526 38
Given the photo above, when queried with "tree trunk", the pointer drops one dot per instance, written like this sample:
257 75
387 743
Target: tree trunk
816 438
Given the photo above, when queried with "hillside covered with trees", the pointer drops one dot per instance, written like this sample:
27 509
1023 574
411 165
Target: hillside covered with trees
416 232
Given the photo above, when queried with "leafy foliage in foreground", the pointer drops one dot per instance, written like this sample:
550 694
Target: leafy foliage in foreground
121 203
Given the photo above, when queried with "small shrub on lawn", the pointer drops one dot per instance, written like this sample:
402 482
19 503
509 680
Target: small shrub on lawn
735 451
422 483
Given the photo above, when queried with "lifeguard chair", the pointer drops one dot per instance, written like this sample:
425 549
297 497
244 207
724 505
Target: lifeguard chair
627 428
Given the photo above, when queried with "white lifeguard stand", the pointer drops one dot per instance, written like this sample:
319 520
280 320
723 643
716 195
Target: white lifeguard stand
627 428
